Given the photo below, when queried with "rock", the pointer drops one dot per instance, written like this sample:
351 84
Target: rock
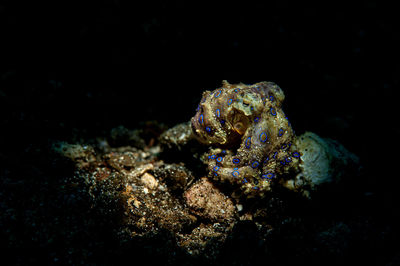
206 201
121 136
149 181
323 161
177 177
177 136
82 155
205 240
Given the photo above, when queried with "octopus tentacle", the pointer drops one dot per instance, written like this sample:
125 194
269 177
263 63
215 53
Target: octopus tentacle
250 135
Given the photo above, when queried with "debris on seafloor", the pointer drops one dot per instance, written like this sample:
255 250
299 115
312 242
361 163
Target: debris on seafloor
148 197
149 193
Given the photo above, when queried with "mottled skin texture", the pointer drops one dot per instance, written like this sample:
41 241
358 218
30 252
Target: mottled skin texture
250 138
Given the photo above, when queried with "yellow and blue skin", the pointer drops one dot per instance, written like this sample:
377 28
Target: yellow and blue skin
251 140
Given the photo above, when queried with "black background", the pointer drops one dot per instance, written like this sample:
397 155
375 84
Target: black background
99 64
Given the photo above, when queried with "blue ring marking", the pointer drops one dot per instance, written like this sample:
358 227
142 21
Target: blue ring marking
273 111
255 164
230 102
236 160
296 154
248 142
256 119
271 98
216 168
268 175
201 118
235 173
283 146
276 153
213 156
218 112
222 121
217 94
219 159
288 159
280 132
261 137
208 129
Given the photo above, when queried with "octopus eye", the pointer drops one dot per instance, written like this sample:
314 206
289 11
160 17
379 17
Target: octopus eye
239 128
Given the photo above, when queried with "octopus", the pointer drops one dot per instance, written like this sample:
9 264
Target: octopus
252 143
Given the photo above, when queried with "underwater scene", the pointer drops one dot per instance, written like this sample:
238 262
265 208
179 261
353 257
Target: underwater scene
188 133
